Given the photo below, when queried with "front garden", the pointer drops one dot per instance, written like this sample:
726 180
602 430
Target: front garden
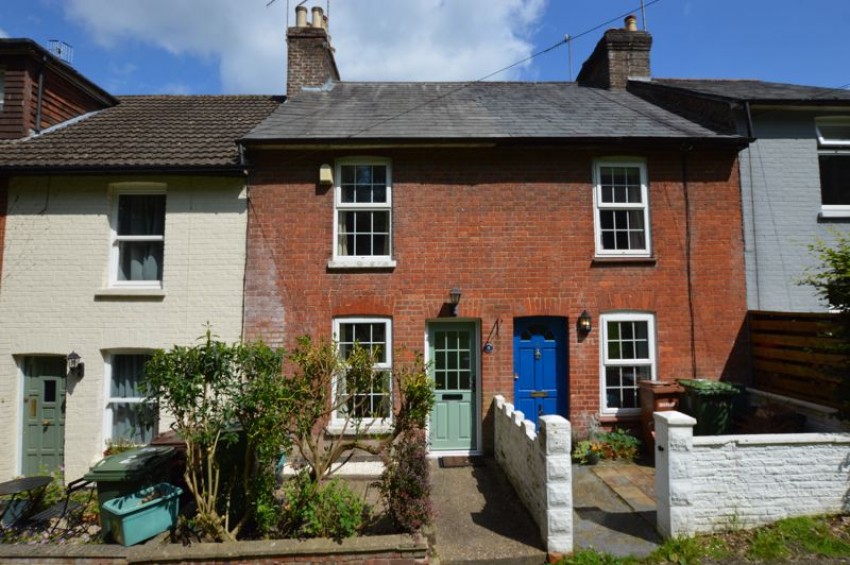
241 410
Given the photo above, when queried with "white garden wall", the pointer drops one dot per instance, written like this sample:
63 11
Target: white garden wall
711 483
538 465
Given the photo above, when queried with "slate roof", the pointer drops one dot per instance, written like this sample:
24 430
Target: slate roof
462 111
758 91
145 132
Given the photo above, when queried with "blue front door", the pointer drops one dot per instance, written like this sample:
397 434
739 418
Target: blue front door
540 366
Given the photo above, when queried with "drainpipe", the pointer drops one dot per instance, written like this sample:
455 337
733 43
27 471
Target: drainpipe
749 116
38 104
685 150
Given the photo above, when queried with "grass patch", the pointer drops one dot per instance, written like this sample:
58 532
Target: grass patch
792 539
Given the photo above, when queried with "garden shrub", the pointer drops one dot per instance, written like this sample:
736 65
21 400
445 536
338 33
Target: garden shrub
618 444
406 482
329 509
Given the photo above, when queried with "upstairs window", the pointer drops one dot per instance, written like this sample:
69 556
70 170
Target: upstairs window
372 403
2 89
621 209
363 213
628 357
138 236
128 417
834 162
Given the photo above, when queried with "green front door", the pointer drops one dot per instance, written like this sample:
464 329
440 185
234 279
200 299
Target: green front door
454 365
43 414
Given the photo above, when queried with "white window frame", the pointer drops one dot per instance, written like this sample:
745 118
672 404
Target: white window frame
373 424
605 362
599 206
361 261
117 190
833 146
109 400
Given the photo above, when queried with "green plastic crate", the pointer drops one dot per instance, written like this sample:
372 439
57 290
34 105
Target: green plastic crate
133 518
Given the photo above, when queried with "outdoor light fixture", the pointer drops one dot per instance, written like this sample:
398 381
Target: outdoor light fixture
76 367
585 324
326 175
454 298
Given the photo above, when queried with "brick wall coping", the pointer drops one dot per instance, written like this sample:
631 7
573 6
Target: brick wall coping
774 439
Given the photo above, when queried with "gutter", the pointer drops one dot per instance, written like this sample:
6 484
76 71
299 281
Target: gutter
235 170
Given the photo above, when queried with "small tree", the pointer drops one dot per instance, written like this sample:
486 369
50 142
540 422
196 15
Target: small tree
212 390
831 281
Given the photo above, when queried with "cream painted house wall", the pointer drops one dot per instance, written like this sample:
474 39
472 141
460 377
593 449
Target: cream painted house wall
55 271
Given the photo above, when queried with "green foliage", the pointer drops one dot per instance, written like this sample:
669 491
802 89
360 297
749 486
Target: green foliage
680 551
406 482
831 281
416 396
313 510
591 557
616 444
587 451
217 393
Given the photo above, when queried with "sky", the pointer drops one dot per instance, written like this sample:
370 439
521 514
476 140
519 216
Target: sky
239 46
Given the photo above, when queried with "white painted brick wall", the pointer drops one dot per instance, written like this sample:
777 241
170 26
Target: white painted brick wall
56 260
709 483
539 467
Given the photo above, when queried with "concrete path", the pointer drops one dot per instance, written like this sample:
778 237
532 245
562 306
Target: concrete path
614 509
479 518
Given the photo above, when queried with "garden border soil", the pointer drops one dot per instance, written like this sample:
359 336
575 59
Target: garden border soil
399 549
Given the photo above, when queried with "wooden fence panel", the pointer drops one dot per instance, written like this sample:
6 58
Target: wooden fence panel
795 355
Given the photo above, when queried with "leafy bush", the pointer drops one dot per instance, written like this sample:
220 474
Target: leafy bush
618 444
328 509
406 482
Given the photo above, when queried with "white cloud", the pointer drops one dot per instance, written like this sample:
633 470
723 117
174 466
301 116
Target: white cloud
3 33
374 39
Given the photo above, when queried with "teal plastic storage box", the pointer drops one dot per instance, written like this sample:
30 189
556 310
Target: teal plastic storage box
133 518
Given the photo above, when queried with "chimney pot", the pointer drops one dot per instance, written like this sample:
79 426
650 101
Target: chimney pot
318 17
301 16
631 23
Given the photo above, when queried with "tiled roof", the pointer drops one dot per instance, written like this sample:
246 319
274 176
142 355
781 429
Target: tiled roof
482 110
143 132
758 91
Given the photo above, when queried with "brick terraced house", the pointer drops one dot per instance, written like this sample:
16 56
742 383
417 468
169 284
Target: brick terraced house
551 242
124 232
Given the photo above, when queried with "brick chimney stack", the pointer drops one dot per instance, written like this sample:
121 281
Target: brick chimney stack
621 55
310 57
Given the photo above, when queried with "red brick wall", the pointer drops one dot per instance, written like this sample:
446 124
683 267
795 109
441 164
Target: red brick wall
514 229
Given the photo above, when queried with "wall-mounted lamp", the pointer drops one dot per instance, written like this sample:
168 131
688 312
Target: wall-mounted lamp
585 324
326 175
454 299
76 367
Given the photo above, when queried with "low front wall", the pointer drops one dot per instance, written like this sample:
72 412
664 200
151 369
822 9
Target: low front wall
712 483
396 549
538 466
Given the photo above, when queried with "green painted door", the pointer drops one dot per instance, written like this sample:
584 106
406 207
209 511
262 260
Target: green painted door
43 414
454 366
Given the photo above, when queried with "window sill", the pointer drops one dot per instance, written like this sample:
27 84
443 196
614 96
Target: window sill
362 263
834 214
623 260
613 418
378 428
146 293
